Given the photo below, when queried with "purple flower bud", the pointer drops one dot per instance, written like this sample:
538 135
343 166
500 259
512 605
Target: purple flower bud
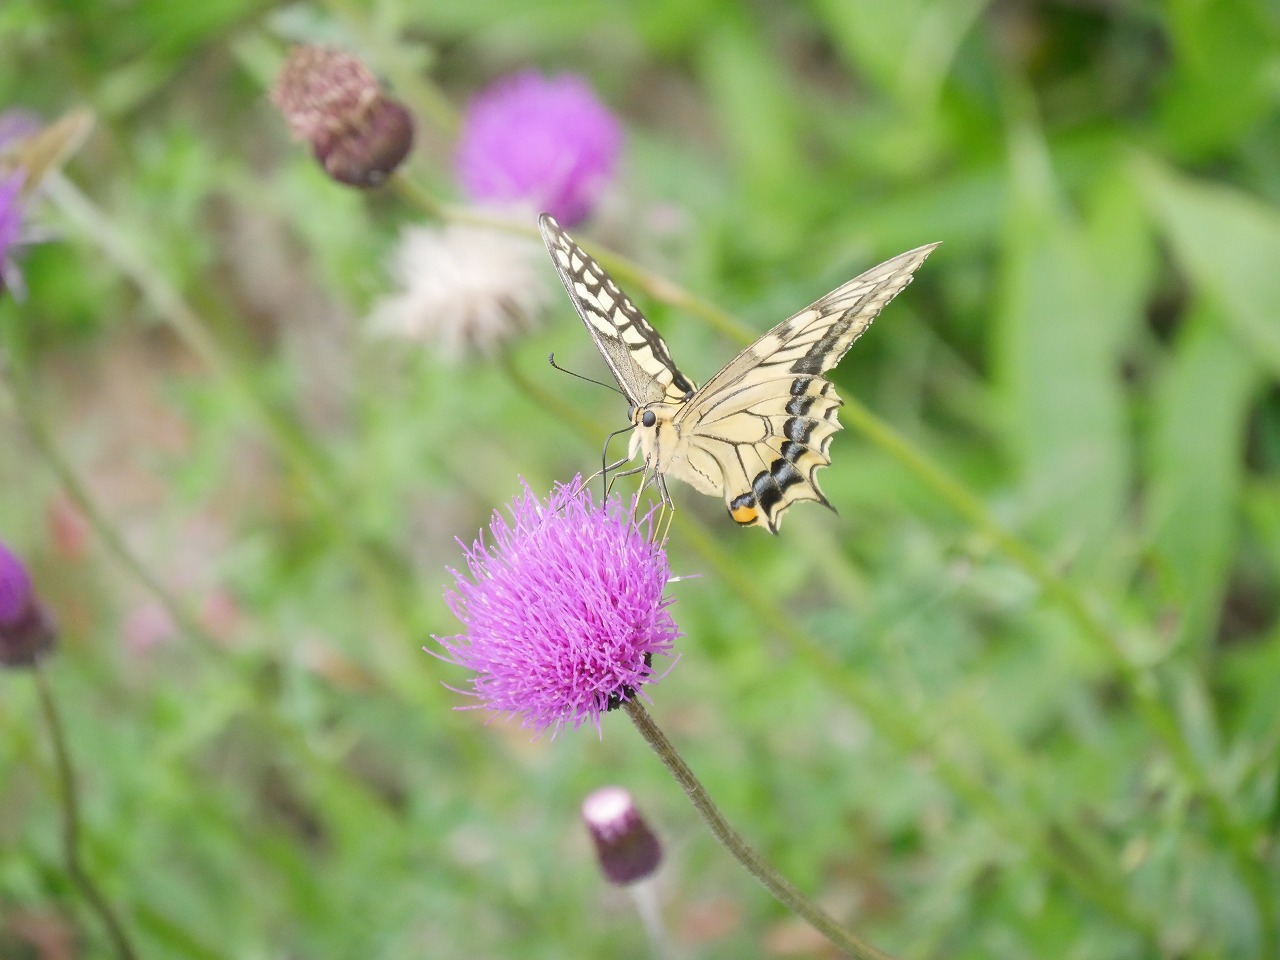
628 850
547 144
332 100
16 125
564 611
26 629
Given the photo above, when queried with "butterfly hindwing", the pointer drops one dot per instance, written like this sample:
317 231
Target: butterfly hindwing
773 399
635 352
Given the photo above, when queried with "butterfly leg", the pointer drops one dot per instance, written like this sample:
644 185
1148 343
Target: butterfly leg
625 473
603 473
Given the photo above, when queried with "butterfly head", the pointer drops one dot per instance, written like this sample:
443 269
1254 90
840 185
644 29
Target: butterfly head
656 435
652 419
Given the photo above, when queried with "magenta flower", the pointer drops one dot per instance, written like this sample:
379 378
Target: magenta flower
10 212
546 143
26 629
15 125
563 611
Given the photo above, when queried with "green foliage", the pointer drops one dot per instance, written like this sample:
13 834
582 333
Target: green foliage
1017 699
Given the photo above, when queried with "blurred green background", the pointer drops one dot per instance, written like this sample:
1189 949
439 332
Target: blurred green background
1020 698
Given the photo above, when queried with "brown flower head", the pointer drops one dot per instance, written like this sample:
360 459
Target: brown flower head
332 100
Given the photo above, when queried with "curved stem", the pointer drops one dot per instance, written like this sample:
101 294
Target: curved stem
547 401
40 437
71 822
1093 877
846 942
645 897
380 568
409 80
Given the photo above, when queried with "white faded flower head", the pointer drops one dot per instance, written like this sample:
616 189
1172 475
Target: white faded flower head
463 289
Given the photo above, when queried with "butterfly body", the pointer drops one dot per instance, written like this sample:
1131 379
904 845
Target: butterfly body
757 432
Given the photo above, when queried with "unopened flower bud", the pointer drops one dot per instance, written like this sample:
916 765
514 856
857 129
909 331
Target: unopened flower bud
26 629
332 100
628 850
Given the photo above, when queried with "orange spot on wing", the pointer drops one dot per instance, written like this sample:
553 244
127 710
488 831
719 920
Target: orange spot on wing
744 515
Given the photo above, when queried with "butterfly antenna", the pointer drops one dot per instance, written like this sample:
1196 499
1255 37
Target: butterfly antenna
551 359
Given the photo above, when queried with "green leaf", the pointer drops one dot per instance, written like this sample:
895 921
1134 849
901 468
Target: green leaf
1059 328
1196 464
1228 242
1222 78
760 119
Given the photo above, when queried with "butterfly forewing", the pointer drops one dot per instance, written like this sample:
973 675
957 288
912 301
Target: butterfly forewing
633 349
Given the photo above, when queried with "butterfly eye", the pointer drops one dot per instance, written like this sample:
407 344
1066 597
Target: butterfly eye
648 419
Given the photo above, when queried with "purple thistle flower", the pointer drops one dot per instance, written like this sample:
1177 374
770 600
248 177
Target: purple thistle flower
15 587
563 611
15 125
26 629
547 143
10 212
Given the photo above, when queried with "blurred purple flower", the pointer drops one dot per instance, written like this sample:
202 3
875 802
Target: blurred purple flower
14 126
10 212
17 124
15 587
564 611
548 143
26 629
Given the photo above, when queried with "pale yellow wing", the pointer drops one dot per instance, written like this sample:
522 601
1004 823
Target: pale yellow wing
764 423
637 356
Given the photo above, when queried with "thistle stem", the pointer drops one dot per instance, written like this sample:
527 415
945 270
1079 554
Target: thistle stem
645 898
71 821
844 941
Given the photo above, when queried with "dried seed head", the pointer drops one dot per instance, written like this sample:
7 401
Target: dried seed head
333 101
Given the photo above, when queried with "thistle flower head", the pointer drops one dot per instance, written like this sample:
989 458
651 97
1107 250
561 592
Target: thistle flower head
26 629
627 848
563 610
548 144
462 289
332 100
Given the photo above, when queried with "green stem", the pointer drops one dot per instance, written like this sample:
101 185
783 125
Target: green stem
1157 714
548 402
43 441
739 849
379 569
408 81
71 822
1095 879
